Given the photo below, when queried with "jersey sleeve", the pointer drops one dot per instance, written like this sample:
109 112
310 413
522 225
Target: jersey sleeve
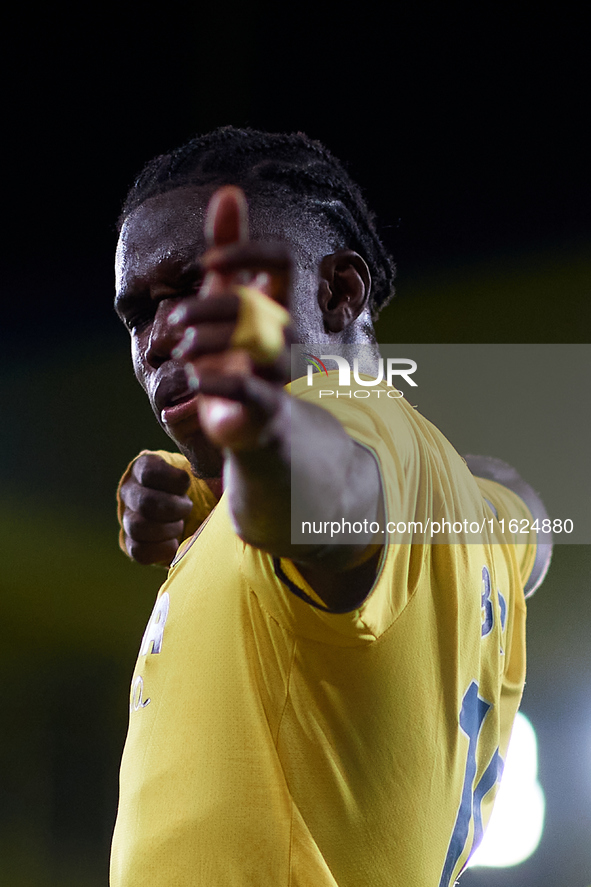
512 510
199 493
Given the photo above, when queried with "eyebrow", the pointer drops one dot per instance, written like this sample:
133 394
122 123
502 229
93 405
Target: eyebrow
184 272
128 288
123 300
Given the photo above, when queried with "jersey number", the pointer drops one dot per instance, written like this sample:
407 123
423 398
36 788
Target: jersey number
472 715
486 604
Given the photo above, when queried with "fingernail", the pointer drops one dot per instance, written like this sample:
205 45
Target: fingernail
262 281
192 377
178 315
186 342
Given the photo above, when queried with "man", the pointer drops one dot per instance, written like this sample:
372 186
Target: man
307 714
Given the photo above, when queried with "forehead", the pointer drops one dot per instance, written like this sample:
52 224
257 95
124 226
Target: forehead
168 229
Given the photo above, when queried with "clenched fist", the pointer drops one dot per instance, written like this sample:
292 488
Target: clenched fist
153 509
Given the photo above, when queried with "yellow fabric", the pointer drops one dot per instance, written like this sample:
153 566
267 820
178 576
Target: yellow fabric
271 742
260 326
200 494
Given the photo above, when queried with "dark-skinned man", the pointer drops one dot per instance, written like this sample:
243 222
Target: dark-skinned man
300 714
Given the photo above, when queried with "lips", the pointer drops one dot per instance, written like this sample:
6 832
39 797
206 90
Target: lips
180 412
174 401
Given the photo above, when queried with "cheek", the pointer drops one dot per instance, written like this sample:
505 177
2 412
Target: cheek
138 361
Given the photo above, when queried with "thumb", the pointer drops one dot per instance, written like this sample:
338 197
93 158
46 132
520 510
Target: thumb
226 220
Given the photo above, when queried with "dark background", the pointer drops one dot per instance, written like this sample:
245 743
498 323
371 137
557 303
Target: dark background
470 135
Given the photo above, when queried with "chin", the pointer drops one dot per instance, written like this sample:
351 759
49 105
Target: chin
205 458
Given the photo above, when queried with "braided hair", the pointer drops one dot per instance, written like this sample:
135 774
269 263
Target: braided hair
288 168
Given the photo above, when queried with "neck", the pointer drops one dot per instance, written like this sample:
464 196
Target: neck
216 485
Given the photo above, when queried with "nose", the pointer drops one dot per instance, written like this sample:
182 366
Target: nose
163 336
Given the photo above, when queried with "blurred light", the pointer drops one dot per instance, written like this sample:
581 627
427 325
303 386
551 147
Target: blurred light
517 820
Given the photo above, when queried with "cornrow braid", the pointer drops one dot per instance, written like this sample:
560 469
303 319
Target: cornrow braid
284 167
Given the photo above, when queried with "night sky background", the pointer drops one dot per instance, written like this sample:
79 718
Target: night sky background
470 135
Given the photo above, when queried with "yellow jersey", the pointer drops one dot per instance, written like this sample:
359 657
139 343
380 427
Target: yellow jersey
272 742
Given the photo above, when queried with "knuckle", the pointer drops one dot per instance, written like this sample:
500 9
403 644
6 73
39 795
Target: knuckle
130 522
167 552
158 553
184 507
155 473
142 531
139 552
156 506
147 467
175 481
174 531
135 526
150 505
182 477
126 492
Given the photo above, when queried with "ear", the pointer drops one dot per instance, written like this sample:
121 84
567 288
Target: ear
343 292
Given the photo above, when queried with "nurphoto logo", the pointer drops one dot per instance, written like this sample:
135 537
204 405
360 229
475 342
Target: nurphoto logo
389 368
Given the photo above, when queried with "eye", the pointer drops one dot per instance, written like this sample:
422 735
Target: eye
139 319
189 283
